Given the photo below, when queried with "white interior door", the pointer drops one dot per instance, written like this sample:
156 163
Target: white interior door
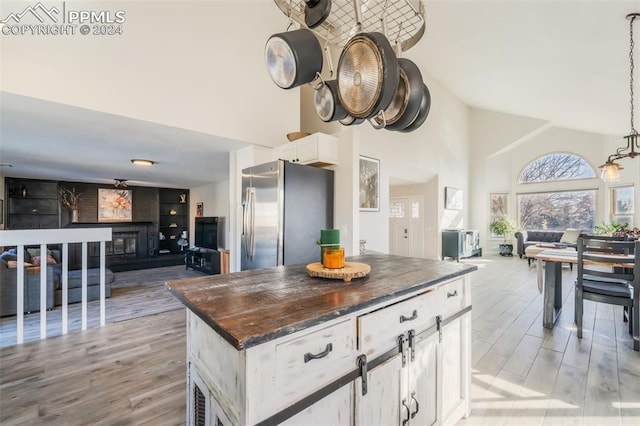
406 226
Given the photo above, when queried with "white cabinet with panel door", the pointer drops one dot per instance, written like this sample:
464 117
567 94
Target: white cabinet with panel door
317 149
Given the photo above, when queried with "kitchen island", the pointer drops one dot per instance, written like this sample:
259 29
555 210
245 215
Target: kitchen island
276 346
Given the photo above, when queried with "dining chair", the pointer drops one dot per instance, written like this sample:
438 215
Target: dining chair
609 272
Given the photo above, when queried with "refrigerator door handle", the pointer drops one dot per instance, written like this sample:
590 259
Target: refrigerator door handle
245 220
252 220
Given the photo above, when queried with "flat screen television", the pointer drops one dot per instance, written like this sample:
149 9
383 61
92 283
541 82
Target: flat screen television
207 230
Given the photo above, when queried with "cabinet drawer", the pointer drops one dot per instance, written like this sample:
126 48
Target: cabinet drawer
378 331
315 359
453 296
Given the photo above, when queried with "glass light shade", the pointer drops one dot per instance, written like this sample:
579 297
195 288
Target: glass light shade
142 162
610 171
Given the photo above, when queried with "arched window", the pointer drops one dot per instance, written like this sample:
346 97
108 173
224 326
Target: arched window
556 166
560 206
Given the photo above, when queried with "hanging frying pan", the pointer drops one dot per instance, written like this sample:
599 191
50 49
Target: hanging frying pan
368 75
425 106
293 58
316 11
327 104
406 101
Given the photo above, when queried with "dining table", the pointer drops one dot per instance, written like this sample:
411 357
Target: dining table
549 276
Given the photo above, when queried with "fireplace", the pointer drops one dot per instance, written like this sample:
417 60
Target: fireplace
122 243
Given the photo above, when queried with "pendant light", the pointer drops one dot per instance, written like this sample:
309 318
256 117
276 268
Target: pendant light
610 170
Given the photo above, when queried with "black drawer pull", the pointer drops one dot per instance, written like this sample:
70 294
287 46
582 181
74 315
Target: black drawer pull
309 356
454 294
411 318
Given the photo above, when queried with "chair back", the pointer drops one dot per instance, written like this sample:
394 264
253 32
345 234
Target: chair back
597 253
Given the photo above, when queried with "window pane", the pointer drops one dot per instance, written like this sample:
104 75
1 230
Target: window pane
622 200
415 210
396 209
558 166
557 211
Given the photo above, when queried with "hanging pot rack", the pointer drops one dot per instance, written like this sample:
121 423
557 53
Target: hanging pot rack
402 21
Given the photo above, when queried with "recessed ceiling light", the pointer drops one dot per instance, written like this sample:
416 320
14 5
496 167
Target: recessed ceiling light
141 162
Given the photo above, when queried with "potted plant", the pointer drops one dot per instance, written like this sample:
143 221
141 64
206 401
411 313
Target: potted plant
503 226
69 199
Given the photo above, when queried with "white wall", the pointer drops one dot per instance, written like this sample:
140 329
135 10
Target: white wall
186 64
437 152
502 145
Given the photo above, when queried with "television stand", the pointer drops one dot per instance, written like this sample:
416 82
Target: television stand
203 260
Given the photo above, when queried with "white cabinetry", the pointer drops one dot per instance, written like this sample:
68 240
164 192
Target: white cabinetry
426 381
416 350
317 149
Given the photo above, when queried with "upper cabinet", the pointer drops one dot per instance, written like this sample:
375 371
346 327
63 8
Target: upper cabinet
32 204
317 149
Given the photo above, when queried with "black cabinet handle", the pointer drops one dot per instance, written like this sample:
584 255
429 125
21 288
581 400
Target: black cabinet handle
309 356
404 404
413 398
454 294
411 318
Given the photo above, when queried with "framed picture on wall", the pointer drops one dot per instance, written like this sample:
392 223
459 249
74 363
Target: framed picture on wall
199 209
369 187
498 205
115 205
453 198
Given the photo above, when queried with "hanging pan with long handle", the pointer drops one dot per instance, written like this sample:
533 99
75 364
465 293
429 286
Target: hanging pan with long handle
405 104
425 106
368 75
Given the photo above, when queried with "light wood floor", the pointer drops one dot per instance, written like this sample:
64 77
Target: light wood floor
133 372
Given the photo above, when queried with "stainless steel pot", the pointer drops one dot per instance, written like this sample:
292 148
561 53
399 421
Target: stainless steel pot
327 103
293 58
368 75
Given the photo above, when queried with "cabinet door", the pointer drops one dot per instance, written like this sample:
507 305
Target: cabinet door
422 396
382 405
286 152
333 409
451 367
307 151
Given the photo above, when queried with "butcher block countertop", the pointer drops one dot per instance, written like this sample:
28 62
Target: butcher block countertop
252 307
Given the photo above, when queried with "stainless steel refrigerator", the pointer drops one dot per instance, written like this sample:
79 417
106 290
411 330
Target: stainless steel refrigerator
284 207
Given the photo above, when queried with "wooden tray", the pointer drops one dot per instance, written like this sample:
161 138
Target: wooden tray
350 270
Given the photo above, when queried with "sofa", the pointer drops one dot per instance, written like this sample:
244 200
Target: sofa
568 238
9 278
9 289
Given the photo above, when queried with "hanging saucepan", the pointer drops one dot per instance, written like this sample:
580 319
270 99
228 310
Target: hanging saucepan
425 106
406 101
351 121
326 102
316 11
293 58
368 75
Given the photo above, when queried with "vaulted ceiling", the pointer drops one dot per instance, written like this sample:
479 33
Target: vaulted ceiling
563 61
